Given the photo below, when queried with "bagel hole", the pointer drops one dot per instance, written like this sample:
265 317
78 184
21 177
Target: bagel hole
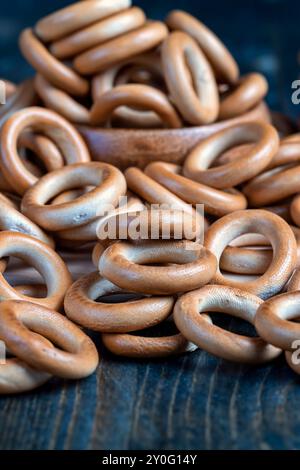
118 298
232 324
183 257
166 328
241 278
19 273
69 195
34 160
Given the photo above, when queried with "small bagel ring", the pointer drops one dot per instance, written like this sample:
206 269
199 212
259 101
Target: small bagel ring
122 48
248 92
17 377
44 148
24 325
289 151
266 140
245 260
252 260
109 184
46 261
216 202
215 340
107 80
12 220
153 192
197 100
56 72
276 230
147 347
63 134
140 96
121 317
220 58
273 323
124 265
61 102
77 16
98 33
273 185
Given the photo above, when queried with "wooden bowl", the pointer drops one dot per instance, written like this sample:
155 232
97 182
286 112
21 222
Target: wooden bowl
138 147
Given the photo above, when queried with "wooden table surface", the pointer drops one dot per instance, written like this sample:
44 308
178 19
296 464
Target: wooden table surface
195 401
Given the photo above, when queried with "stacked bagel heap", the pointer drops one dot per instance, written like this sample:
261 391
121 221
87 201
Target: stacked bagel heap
102 63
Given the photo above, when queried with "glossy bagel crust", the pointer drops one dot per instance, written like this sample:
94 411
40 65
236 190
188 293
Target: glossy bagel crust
109 184
246 260
124 265
61 102
276 230
149 62
47 65
144 347
44 148
197 164
63 134
216 202
23 327
98 33
121 48
140 96
274 320
12 220
46 261
77 16
249 258
273 186
197 99
217 54
215 340
245 95
121 317
154 193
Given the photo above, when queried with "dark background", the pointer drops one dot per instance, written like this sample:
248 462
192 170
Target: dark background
195 401
262 34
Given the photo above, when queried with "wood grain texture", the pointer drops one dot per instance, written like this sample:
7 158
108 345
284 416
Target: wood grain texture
195 401
137 147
